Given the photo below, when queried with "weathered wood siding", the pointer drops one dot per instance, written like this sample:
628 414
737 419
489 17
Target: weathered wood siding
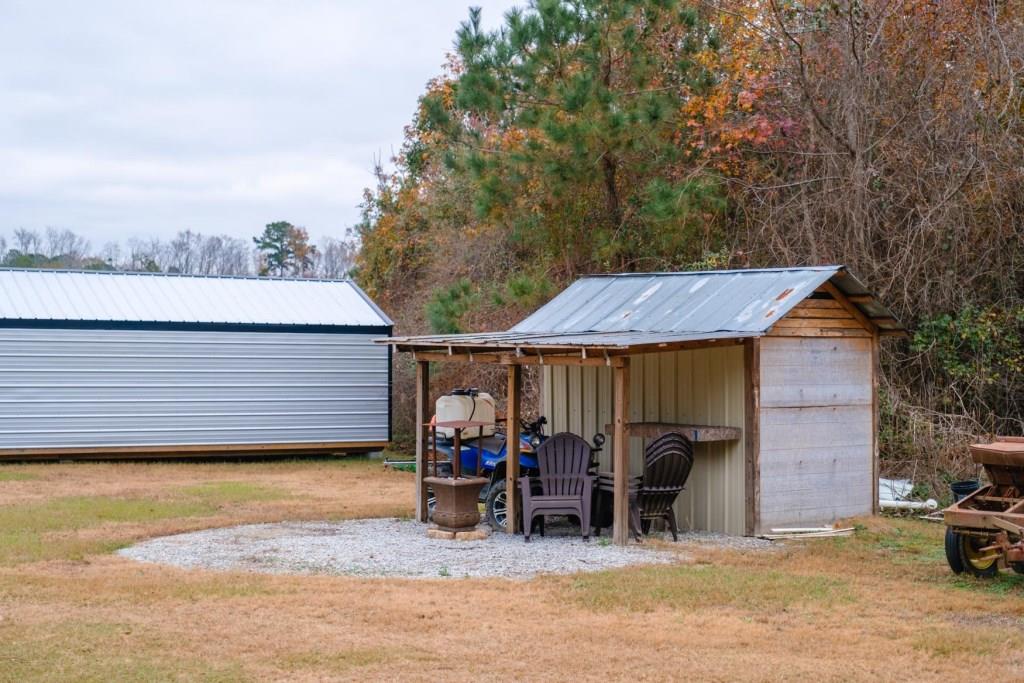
697 387
816 429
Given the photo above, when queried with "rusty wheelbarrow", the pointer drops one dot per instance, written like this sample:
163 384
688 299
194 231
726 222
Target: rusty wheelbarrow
986 528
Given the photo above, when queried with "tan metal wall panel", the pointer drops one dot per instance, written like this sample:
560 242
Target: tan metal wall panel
704 387
816 430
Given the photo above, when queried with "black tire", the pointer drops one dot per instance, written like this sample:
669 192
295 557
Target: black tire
496 505
1017 567
983 566
953 551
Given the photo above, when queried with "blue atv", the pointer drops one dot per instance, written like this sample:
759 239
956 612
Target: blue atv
492 465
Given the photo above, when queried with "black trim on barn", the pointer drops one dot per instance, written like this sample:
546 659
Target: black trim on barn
12 323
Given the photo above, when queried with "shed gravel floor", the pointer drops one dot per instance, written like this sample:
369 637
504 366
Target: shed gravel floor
388 547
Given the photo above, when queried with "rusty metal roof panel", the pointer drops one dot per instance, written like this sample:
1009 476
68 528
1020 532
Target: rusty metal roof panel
708 302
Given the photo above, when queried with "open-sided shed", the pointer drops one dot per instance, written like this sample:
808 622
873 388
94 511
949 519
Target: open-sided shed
142 364
772 372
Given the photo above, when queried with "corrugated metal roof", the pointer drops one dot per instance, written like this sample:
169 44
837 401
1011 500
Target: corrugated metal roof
662 308
700 302
63 295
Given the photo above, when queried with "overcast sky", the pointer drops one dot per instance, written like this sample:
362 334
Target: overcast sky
138 119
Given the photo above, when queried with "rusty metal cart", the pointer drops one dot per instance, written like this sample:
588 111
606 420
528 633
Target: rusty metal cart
986 528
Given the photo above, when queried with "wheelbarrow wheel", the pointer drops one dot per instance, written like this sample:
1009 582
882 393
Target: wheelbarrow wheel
978 562
953 551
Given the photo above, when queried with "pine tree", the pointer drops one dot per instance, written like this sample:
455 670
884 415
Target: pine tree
285 249
570 121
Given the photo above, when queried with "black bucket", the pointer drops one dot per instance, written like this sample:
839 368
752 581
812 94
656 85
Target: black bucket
962 489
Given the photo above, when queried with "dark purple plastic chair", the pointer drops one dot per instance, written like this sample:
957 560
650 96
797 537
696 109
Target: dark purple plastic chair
667 464
563 487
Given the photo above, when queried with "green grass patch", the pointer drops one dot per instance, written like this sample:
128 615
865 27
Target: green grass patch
698 586
232 492
1004 583
15 475
910 543
81 512
99 651
45 531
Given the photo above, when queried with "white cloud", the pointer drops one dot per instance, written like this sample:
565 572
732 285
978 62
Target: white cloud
121 119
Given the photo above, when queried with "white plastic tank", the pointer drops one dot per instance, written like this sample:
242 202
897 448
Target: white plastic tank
475 406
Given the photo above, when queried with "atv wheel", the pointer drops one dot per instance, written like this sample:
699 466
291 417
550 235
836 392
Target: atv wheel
953 551
497 506
983 564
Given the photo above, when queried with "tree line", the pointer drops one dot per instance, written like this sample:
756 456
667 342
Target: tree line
282 249
622 135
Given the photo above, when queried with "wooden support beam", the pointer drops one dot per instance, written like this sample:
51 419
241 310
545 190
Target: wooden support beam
875 373
422 417
514 399
620 455
752 436
580 355
513 359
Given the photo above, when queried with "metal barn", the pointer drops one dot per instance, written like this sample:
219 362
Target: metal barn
772 373
112 364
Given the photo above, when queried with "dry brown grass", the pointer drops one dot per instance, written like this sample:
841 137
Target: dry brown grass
879 605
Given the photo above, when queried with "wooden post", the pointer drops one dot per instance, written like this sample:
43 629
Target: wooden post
514 400
875 372
422 417
751 435
620 454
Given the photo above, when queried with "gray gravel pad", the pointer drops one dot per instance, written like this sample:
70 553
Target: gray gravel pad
387 547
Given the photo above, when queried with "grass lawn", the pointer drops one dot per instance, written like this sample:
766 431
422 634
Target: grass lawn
881 604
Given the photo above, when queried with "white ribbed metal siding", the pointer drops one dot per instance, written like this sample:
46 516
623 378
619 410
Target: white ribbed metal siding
703 386
67 388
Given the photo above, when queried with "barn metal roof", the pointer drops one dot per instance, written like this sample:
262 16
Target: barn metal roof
103 296
627 310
